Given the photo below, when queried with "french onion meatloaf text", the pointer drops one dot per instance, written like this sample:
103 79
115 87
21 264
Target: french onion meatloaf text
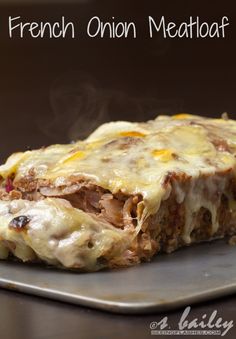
128 191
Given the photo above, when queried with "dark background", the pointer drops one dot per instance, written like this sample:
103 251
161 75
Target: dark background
55 90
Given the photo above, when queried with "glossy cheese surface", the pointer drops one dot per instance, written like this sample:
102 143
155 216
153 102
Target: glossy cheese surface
134 157
58 234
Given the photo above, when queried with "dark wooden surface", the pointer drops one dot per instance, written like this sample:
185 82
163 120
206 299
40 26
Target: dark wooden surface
23 316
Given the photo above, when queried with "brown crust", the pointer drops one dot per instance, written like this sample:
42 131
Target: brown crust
161 232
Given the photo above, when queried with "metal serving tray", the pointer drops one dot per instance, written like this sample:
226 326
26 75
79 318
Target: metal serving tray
190 275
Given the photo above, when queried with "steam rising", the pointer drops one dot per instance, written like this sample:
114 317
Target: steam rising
80 104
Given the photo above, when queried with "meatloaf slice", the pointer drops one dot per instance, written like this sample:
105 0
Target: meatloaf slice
127 192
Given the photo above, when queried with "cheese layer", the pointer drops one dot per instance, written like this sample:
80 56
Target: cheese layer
134 157
137 158
59 234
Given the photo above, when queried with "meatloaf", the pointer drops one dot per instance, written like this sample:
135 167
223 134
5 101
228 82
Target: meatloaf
127 192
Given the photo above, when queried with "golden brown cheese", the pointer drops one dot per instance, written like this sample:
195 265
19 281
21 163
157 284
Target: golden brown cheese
136 158
59 234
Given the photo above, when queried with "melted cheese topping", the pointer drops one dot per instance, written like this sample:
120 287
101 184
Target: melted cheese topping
136 158
59 234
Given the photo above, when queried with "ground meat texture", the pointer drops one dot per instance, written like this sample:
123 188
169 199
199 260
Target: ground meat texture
120 210
160 232
163 231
